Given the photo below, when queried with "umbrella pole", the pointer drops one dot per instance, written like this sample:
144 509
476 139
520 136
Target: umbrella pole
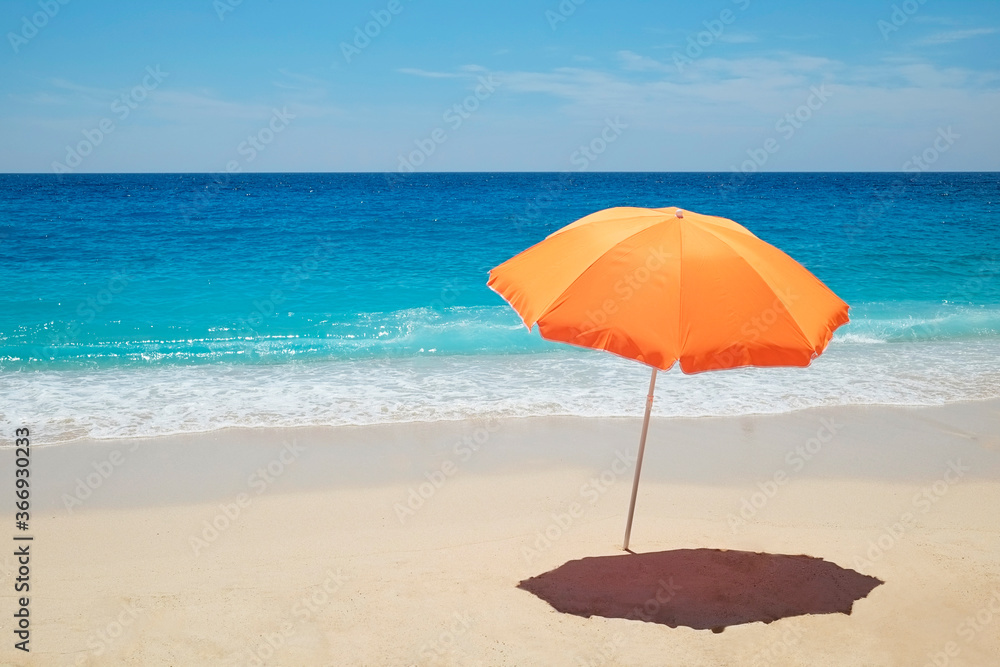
638 460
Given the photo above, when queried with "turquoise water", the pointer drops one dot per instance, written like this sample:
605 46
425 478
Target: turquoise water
149 304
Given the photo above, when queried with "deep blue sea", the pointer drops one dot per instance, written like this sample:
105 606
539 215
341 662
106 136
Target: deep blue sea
164 303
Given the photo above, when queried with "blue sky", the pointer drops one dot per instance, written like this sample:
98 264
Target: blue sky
262 85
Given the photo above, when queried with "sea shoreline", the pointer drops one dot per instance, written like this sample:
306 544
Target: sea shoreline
227 432
67 406
427 529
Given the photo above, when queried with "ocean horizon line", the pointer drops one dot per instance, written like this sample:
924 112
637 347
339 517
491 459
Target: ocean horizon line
504 172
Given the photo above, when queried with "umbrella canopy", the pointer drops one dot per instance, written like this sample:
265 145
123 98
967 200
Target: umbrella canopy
667 285
662 285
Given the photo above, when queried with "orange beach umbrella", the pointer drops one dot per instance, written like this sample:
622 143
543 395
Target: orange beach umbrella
666 285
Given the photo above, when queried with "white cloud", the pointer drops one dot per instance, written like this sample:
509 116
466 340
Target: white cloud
702 118
738 38
639 63
936 20
426 74
951 36
463 71
740 91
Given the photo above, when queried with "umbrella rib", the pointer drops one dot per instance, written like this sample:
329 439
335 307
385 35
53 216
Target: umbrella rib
717 221
640 214
597 259
774 292
681 342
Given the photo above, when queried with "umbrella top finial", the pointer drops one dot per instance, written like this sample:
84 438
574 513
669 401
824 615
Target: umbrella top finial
679 213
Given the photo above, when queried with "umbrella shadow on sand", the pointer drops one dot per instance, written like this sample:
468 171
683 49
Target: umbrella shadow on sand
700 588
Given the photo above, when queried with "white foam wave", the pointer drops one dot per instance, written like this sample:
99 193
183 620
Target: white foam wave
152 401
864 339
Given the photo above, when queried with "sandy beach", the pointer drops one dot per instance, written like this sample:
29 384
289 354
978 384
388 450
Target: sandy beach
405 544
